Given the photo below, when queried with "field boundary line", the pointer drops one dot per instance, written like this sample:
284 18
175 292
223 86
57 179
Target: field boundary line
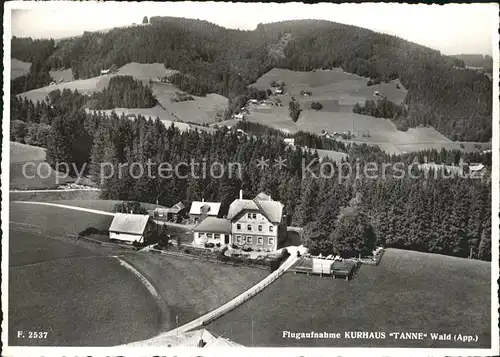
89 210
141 278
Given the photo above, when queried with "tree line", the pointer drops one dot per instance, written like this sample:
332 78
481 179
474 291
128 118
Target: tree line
123 92
427 213
441 92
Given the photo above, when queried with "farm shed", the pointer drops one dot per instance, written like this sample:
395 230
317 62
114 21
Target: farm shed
129 227
173 213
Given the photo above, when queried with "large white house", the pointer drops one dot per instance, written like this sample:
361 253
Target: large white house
257 223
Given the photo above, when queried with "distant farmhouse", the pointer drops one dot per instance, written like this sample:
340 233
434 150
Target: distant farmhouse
104 71
258 224
201 210
130 228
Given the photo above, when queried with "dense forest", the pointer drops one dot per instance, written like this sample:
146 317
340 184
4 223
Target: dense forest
123 92
448 216
441 92
477 61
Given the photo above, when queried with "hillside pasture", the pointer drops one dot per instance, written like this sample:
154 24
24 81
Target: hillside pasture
201 110
408 291
22 152
140 71
18 68
65 74
338 92
30 171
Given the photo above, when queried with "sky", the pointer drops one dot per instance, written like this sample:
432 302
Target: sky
451 29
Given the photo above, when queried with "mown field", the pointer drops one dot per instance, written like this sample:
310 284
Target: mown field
75 291
192 287
79 300
407 292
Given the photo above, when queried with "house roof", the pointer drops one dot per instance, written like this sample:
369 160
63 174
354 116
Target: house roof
174 209
214 224
129 223
197 205
478 167
263 197
272 210
187 339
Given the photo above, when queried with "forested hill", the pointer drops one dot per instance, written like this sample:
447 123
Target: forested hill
476 60
441 93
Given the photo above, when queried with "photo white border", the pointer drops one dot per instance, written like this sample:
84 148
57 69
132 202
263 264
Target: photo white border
146 351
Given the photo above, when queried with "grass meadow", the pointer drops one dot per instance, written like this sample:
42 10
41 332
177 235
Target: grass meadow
407 292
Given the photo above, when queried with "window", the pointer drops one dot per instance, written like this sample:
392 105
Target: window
271 228
260 240
238 226
249 240
217 236
260 228
249 216
254 215
271 241
249 227
210 235
238 239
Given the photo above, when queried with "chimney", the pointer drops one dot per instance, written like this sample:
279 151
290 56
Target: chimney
241 194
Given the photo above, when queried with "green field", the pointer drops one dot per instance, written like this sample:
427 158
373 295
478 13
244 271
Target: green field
200 110
18 68
78 297
192 287
339 91
23 153
408 291
56 220
73 290
29 170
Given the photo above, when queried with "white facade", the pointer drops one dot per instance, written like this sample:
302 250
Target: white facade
126 237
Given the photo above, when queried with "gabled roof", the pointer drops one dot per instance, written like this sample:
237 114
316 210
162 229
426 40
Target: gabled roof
197 205
272 210
214 225
262 197
129 223
174 209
